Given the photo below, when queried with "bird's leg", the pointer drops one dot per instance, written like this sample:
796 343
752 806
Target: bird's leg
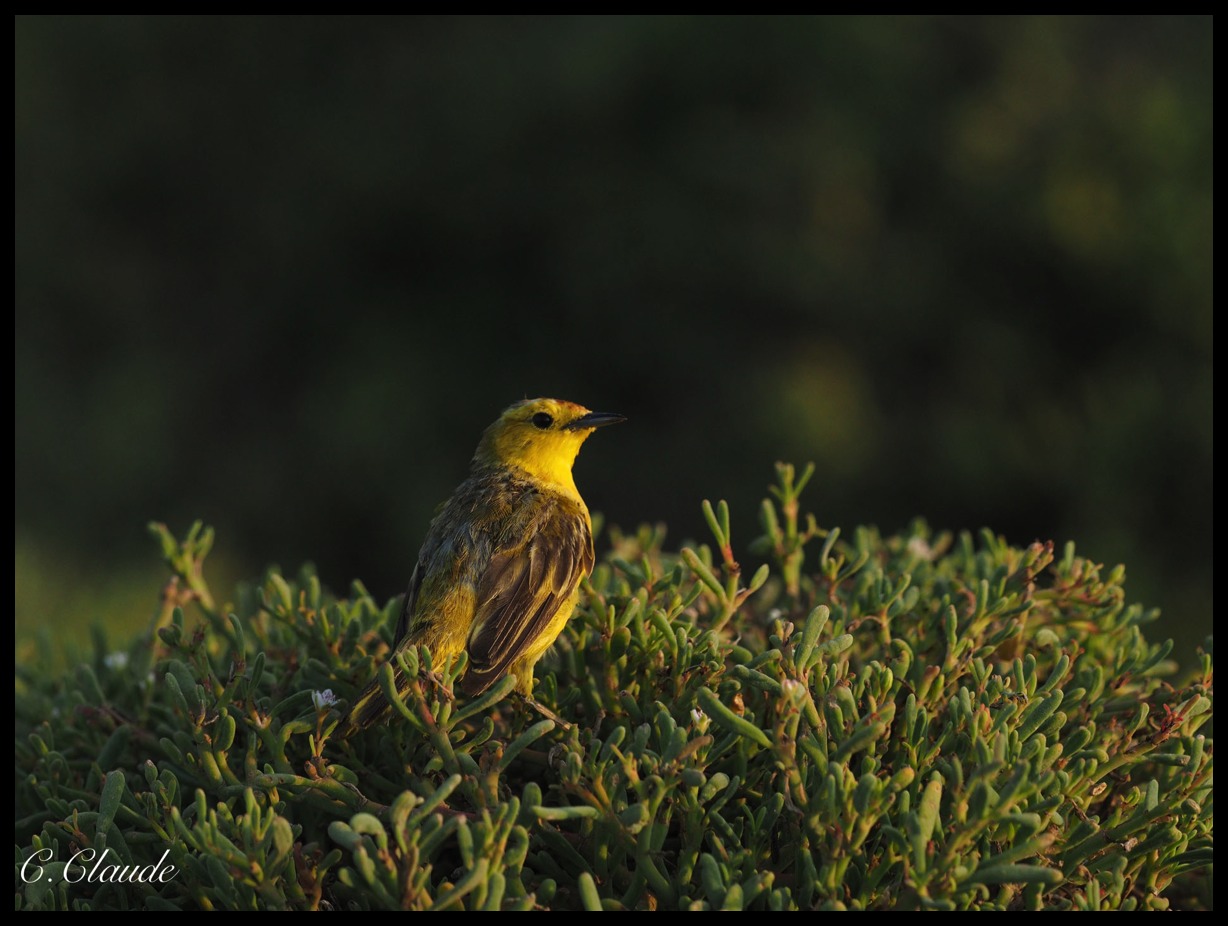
436 679
532 702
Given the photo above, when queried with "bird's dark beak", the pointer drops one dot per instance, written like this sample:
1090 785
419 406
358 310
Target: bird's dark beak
594 420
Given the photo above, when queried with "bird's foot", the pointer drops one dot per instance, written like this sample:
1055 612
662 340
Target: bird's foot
436 679
546 712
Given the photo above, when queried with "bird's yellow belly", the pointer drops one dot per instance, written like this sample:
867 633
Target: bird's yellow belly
523 667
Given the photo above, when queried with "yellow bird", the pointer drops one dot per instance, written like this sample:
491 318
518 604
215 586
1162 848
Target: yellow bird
499 572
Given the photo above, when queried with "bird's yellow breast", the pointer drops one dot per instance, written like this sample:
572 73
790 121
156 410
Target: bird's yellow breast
546 457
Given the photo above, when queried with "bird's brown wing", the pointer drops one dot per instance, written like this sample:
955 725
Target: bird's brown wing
522 589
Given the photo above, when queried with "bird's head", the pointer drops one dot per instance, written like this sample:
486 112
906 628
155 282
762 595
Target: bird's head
541 437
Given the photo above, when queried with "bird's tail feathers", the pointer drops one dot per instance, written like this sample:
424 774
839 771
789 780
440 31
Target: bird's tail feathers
372 705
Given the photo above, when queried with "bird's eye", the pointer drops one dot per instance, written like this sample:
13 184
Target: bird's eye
542 420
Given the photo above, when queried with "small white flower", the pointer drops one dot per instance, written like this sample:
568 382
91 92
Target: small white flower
323 699
700 718
116 661
775 614
920 548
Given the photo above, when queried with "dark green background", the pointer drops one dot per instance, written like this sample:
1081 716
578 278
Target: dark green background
279 273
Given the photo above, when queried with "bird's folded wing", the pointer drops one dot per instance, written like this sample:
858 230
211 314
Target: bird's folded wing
521 591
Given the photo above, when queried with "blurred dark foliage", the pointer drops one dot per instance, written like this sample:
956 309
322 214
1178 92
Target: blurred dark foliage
278 273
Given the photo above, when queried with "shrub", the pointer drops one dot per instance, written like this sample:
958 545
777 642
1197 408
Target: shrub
917 721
